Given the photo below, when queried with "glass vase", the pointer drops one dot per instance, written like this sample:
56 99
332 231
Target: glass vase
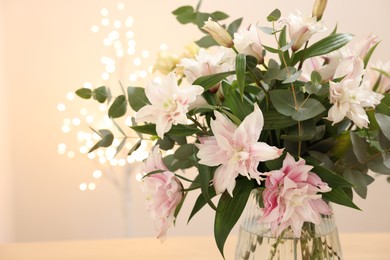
256 242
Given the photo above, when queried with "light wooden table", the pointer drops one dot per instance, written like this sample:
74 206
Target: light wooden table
364 246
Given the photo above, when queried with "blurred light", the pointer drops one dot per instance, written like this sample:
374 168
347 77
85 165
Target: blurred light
114 162
83 186
110 68
119 53
91 186
83 111
70 154
61 107
133 77
129 34
120 6
70 96
129 21
137 61
130 159
67 121
118 44
131 43
113 35
97 174
105 76
139 176
61 148
95 28
76 121
105 21
65 128
117 24
107 42
83 149
100 153
89 119
110 152
122 162
145 53
102 160
130 50
128 121
104 12
87 85
143 74
91 155
163 46
157 80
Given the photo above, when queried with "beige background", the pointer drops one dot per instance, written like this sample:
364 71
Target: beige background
47 50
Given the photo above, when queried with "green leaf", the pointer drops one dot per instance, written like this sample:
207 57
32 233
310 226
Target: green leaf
360 147
338 196
218 16
185 14
134 147
118 108
206 42
201 202
85 93
284 103
274 16
137 98
211 80
184 151
331 43
384 123
307 132
205 176
384 106
229 211
106 141
360 180
240 72
166 144
233 27
333 179
239 107
315 77
369 54
100 94
274 120
183 10
179 130
293 77
120 146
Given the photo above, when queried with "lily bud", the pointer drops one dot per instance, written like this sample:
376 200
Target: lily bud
219 34
319 8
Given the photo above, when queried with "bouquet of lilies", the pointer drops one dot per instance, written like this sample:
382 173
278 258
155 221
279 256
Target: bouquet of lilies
303 121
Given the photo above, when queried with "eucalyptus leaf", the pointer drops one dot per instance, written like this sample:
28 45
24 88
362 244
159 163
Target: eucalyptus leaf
106 141
206 41
118 107
100 94
85 93
274 16
134 147
184 151
233 27
137 98
384 123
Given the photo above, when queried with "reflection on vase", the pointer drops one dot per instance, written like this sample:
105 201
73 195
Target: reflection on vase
256 242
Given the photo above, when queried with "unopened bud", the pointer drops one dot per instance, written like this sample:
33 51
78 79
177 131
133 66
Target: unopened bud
319 8
219 34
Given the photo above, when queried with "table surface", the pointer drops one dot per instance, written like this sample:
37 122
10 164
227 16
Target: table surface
364 246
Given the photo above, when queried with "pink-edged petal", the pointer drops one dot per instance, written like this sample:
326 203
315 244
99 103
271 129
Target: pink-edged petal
264 152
